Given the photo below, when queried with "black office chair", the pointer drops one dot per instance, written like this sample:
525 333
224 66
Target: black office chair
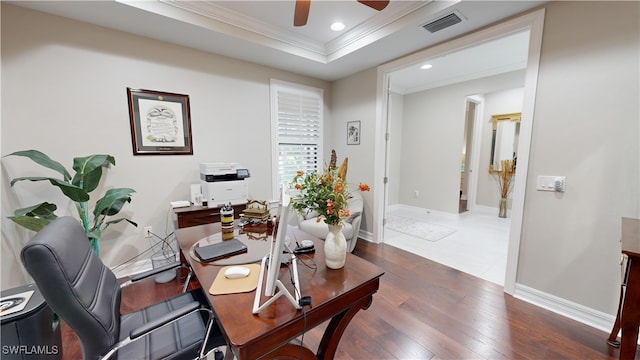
85 294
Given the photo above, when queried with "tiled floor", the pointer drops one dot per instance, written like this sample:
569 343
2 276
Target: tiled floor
478 247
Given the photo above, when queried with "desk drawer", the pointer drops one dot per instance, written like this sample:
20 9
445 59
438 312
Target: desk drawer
201 217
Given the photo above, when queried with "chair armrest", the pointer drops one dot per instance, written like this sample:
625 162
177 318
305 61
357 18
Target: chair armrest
151 326
151 272
356 231
163 320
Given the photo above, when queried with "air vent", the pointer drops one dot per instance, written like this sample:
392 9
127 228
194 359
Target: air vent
442 23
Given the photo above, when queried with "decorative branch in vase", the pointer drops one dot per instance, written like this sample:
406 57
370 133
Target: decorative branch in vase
505 180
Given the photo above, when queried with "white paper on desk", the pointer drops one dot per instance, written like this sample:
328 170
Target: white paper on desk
14 303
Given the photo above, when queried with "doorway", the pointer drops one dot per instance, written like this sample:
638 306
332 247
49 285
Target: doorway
472 127
532 23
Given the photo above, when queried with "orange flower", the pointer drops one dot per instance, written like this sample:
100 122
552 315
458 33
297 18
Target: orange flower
298 186
300 172
330 207
318 219
344 213
363 187
339 187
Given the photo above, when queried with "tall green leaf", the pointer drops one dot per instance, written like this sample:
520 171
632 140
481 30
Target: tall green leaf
71 191
43 210
88 181
44 160
85 167
31 223
112 201
35 217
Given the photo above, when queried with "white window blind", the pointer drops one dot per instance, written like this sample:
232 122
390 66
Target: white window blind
297 121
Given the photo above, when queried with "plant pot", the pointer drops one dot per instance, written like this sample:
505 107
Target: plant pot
335 247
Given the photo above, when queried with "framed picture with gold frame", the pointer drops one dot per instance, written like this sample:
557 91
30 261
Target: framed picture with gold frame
160 122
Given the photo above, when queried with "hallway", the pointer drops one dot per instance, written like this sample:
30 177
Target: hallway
478 247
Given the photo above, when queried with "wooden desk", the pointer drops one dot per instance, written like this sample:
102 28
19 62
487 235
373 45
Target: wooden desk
199 215
628 317
337 295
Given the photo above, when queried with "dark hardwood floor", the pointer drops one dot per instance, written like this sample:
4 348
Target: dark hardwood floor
425 310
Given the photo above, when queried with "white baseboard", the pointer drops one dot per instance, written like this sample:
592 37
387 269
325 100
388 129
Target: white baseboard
365 235
485 209
133 268
418 211
564 307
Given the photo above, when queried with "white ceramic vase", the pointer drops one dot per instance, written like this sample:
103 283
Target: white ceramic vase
335 247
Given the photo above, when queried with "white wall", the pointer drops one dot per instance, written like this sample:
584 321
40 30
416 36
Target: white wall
64 93
432 136
585 127
354 99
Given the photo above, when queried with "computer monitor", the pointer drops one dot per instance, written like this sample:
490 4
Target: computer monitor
272 263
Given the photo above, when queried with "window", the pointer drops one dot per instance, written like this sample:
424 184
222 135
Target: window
296 123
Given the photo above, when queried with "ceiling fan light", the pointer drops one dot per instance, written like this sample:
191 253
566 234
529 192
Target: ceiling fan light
337 26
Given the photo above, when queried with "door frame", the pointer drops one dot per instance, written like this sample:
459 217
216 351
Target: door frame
532 21
474 162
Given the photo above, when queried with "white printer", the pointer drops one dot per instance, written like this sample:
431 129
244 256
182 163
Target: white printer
224 183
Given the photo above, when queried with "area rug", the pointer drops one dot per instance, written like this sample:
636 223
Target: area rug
420 229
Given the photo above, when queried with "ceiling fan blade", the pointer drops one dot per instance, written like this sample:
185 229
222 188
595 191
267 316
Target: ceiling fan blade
301 12
375 4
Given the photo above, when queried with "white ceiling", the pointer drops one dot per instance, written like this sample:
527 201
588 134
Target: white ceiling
262 31
508 53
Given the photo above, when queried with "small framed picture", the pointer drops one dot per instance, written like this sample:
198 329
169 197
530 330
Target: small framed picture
160 123
353 133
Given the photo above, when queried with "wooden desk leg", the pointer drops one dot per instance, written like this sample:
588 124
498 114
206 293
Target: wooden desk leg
613 337
631 313
336 327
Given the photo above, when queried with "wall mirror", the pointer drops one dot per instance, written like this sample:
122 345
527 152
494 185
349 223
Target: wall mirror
504 144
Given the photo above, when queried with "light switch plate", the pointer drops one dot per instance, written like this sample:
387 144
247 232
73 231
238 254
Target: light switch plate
551 183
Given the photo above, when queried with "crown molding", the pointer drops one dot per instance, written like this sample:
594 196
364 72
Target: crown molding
375 28
217 18
241 23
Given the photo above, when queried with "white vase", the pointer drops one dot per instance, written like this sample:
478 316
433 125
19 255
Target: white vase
335 247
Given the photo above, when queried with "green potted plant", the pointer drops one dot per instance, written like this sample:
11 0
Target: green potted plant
88 172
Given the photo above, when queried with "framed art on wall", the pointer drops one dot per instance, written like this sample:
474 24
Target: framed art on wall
160 123
353 133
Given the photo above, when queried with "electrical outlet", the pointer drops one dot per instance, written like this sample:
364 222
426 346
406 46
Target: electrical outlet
416 193
147 231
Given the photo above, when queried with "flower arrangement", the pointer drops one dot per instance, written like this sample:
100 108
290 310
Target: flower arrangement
324 193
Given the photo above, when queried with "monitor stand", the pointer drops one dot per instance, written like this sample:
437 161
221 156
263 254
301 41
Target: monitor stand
280 288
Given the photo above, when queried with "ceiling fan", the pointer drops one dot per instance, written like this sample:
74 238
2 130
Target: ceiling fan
302 9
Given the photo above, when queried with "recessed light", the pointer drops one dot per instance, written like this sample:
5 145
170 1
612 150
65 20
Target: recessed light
426 66
337 26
